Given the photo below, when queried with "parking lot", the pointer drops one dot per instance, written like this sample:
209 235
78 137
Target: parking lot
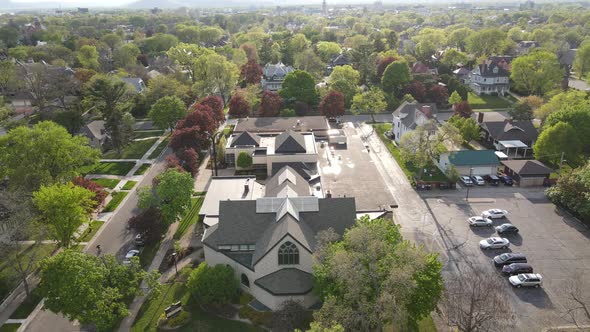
556 245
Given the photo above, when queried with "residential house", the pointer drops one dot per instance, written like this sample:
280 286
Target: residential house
490 78
96 133
474 162
338 60
408 116
508 134
462 74
420 68
527 173
267 150
273 76
136 83
525 46
269 241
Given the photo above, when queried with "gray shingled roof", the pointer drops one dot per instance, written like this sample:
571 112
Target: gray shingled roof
281 124
95 128
290 142
289 281
487 70
279 70
136 82
246 139
407 112
527 167
306 170
505 130
287 179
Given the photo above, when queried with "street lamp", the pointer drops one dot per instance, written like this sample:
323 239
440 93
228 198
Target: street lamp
467 194
214 140
174 257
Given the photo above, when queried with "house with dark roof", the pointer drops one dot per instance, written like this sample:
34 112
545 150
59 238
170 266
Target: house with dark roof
269 149
269 241
273 76
410 115
525 46
338 60
491 77
498 131
136 83
527 173
474 162
96 133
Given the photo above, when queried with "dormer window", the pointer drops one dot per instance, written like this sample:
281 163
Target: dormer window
288 254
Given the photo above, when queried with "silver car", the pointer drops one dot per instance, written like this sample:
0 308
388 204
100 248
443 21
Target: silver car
494 243
494 213
130 254
479 221
526 280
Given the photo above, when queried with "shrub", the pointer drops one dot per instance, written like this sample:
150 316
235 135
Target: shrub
213 285
181 319
244 160
256 317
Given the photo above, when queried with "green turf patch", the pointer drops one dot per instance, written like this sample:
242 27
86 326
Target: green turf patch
129 185
9 327
91 230
148 253
191 216
107 183
147 133
112 168
487 102
433 174
117 198
142 169
163 145
147 318
135 150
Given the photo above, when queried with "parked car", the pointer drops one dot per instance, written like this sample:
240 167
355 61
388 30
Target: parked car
506 180
478 180
479 221
494 213
509 258
506 229
139 240
492 179
517 268
466 181
526 280
130 254
494 243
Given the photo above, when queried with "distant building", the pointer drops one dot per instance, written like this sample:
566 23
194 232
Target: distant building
490 78
96 133
338 60
136 82
408 116
273 76
466 162
525 46
82 10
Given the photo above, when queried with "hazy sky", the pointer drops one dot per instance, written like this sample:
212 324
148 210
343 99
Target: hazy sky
89 2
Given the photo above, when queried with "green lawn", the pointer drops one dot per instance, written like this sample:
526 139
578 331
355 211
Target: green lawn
408 168
112 168
9 327
228 130
147 254
190 217
147 133
487 102
163 145
9 278
142 169
129 185
147 318
117 198
107 183
24 310
89 233
135 150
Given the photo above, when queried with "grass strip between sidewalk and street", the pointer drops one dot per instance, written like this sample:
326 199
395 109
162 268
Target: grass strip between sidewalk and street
117 197
107 183
158 150
111 168
134 150
191 216
129 185
94 226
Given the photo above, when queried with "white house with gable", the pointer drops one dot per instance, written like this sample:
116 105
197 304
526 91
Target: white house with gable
409 115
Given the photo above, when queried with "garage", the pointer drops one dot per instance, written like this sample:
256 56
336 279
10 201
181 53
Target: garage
470 162
528 173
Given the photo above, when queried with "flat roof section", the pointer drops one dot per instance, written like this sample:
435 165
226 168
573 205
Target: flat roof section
282 124
223 188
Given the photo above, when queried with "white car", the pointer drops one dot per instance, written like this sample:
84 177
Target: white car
526 280
479 221
130 254
494 214
478 180
466 181
494 243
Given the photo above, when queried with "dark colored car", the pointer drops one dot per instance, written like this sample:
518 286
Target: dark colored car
492 179
506 180
517 268
139 240
506 229
509 258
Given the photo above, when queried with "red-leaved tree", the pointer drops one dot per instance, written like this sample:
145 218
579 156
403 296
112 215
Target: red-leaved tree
99 193
382 64
332 104
216 105
417 90
271 103
251 72
150 224
238 107
189 160
201 117
250 50
172 161
463 109
189 138
438 94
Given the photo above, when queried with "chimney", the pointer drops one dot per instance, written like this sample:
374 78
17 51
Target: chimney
480 117
426 110
328 194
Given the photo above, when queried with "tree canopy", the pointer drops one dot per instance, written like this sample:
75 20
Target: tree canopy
167 111
536 73
299 85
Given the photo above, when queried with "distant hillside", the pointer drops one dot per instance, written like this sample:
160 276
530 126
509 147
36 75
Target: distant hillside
195 3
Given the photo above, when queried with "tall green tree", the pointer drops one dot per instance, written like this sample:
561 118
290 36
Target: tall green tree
373 278
487 42
311 63
88 57
172 194
468 127
345 73
186 55
214 75
347 89
363 60
126 55
63 208
578 118
536 73
111 96
167 111
43 154
93 290
371 101
452 57
396 76
558 139
582 61
567 100
573 192
299 85
327 50
7 75
216 284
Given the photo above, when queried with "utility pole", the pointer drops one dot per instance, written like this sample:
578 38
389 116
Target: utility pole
467 194
561 160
